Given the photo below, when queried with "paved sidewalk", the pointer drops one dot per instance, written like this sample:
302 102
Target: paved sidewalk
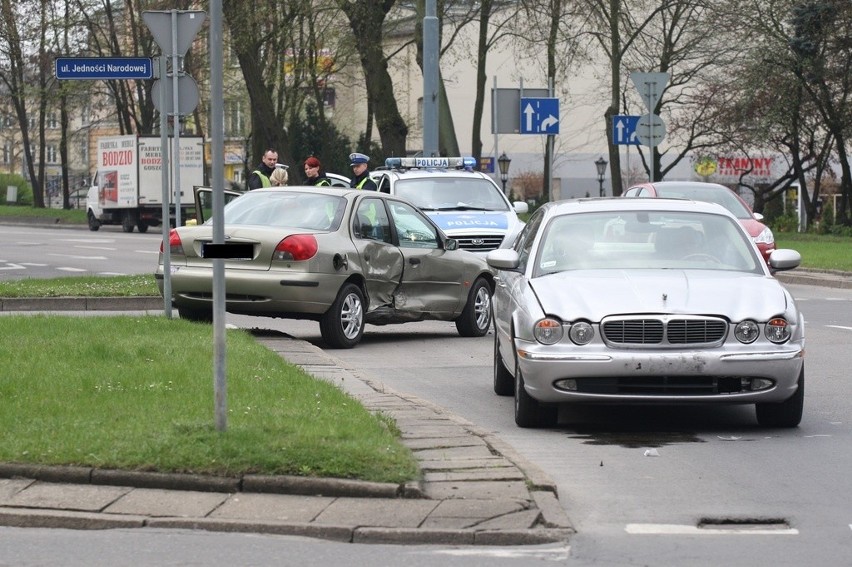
475 489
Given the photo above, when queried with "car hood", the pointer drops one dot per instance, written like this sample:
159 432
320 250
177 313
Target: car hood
477 220
594 294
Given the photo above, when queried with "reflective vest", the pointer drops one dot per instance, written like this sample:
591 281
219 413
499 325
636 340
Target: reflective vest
264 180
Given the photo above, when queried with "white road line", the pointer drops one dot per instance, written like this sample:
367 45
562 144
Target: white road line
147 251
11 266
33 265
111 274
72 269
111 248
80 257
840 327
677 529
556 554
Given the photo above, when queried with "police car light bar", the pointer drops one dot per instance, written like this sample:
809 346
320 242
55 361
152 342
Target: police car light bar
430 162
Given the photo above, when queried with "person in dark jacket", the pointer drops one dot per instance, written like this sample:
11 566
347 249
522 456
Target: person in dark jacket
361 174
260 176
314 175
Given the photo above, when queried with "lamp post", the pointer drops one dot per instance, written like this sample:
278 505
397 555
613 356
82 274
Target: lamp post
600 163
503 162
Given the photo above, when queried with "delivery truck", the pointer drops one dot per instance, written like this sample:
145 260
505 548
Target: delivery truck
127 188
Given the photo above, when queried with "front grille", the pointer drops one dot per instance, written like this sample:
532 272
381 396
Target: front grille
683 331
662 385
479 243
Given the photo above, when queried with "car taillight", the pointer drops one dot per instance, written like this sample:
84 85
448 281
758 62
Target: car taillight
296 247
175 244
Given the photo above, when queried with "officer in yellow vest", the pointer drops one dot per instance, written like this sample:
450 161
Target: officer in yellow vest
361 175
260 176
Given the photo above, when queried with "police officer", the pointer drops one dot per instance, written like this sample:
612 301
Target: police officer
260 176
361 175
314 175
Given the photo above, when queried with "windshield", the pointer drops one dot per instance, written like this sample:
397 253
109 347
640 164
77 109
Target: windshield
295 209
639 240
452 193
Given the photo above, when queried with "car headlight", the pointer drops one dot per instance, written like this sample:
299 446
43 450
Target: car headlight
777 330
548 331
746 331
581 333
765 237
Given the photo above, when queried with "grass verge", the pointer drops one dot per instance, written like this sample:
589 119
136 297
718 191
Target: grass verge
819 251
82 286
135 393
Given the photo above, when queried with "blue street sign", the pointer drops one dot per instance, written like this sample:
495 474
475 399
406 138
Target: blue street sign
539 115
624 130
94 68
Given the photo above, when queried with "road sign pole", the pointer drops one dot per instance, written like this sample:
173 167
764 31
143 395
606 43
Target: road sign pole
176 72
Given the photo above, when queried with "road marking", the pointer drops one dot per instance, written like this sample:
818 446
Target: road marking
33 264
147 251
97 247
11 266
80 257
677 529
556 554
840 327
72 269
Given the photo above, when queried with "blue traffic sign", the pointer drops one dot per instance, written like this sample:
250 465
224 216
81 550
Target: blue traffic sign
539 115
94 68
624 130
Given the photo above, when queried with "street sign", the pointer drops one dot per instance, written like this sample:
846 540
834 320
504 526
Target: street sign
103 68
187 95
506 109
624 130
187 24
539 115
650 129
650 87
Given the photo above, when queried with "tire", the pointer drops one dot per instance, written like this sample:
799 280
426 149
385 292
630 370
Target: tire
528 411
128 223
94 224
475 318
142 227
504 382
195 315
342 326
787 413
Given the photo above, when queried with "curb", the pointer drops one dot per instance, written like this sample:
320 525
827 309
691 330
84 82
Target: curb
150 303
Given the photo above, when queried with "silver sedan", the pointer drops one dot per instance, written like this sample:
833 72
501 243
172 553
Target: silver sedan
341 257
644 301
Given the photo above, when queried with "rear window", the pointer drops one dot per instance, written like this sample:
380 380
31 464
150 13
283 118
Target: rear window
293 209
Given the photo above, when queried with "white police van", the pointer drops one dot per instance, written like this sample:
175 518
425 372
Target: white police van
466 204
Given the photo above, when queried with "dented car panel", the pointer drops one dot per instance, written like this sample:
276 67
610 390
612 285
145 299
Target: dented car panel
587 314
342 257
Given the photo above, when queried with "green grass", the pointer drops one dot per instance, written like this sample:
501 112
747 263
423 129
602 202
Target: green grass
81 286
819 252
74 216
136 393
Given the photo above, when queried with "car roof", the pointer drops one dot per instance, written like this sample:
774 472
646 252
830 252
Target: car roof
615 204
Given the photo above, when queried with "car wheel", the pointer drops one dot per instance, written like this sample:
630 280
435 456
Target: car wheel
786 414
475 318
94 224
195 315
528 411
504 382
343 324
142 227
127 223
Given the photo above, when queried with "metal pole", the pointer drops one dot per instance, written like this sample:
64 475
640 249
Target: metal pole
430 80
164 176
217 130
494 128
176 72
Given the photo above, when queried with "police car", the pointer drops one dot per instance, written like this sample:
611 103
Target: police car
466 204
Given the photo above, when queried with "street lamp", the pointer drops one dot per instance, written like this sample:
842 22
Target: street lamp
600 163
503 161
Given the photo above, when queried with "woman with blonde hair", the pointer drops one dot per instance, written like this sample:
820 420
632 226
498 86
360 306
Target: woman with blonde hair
279 176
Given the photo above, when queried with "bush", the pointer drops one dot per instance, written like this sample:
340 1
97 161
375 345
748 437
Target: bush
785 223
25 191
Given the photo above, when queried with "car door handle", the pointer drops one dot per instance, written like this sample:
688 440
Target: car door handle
414 261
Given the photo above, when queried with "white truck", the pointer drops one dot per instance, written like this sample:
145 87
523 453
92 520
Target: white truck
127 188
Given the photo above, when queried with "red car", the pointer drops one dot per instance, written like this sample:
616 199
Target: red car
713 193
